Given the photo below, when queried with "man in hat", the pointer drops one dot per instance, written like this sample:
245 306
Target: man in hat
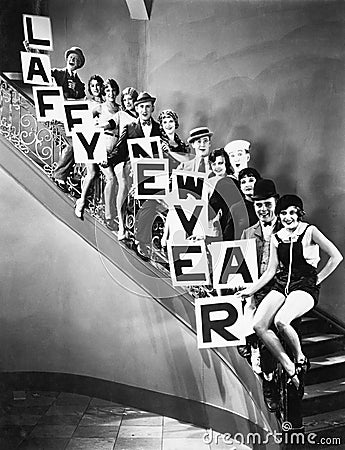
265 198
143 126
72 86
239 155
73 89
200 141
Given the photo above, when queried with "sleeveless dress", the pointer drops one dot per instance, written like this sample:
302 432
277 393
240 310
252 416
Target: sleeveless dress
295 273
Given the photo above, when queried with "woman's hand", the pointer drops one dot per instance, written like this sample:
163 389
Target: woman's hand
247 292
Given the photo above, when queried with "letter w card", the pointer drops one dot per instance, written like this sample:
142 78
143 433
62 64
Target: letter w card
219 321
234 263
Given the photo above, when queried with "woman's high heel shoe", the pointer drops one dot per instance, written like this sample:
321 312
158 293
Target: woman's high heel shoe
297 380
304 365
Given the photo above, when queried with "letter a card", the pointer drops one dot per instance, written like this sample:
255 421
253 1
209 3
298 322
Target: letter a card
219 321
234 263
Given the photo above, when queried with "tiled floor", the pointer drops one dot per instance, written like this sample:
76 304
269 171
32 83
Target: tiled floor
63 421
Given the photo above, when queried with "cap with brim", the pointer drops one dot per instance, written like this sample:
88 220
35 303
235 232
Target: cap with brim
239 144
198 133
288 200
264 189
79 52
144 97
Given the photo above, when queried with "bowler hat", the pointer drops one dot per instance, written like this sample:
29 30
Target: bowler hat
264 189
198 133
144 97
288 200
79 52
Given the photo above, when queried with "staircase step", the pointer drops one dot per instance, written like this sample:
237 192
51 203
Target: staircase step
311 325
326 368
329 425
323 397
323 344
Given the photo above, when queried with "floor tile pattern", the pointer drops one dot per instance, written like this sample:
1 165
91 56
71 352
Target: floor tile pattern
65 421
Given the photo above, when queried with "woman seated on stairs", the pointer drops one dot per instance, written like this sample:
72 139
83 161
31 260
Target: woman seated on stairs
294 256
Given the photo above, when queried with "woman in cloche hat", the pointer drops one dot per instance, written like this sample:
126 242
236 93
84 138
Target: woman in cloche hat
295 290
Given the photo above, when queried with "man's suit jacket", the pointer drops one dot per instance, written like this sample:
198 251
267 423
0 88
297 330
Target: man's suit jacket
61 79
131 131
255 232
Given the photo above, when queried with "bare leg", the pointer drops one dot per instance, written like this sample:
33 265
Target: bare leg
263 319
296 305
108 190
90 175
122 175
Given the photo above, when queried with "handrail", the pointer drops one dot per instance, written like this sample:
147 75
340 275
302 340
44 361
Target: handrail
44 142
17 87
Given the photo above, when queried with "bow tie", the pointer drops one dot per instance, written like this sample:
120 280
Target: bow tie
266 224
146 122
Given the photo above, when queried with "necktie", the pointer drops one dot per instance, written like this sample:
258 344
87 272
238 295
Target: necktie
202 166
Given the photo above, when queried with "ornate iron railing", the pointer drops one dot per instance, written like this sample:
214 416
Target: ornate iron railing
43 143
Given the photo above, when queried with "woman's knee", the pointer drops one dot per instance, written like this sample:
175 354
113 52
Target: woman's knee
259 328
281 323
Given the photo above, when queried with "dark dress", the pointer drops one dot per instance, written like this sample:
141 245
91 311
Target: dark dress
225 195
301 276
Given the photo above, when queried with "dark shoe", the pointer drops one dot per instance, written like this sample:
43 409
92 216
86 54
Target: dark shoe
62 185
270 395
141 251
244 351
297 380
304 365
110 224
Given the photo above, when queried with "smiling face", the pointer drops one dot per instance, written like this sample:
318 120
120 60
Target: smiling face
202 146
238 160
247 185
73 61
265 209
110 93
219 167
289 218
128 102
144 110
95 88
168 125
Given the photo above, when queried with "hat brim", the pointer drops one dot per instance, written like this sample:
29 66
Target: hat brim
81 56
145 100
195 138
265 197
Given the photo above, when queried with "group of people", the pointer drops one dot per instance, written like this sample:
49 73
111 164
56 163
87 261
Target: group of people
242 204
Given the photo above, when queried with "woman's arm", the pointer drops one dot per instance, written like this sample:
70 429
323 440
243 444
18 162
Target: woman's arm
335 257
266 276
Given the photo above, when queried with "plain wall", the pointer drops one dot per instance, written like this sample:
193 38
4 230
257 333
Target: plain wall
268 71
